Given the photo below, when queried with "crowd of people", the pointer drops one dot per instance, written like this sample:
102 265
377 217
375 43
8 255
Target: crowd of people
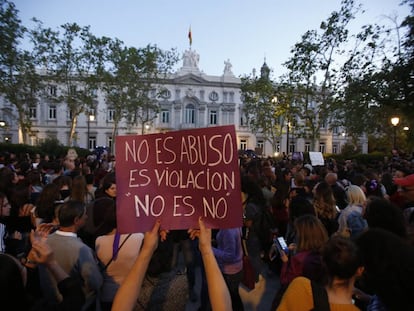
348 227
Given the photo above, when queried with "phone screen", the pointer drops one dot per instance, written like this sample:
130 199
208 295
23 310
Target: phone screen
282 244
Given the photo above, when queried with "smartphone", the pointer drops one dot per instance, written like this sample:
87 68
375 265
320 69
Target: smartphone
281 245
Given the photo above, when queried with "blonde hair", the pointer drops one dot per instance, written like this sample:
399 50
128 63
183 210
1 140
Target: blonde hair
355 195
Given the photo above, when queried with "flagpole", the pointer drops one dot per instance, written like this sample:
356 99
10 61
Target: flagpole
190 37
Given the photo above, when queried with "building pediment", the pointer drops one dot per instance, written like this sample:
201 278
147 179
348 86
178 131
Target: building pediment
190 79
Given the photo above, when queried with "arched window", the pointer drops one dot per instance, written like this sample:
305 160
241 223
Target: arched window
189 117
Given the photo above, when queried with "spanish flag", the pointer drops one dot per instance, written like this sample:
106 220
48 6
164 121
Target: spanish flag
190 37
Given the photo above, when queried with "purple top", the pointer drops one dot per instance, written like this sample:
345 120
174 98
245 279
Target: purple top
229 252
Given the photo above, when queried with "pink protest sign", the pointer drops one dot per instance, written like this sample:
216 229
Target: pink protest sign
177 177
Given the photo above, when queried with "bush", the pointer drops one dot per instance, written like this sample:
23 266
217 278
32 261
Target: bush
51 147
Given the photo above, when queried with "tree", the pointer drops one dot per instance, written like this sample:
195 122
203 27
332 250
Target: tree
313 58
378 79
19 82
69 59
261 107
131 76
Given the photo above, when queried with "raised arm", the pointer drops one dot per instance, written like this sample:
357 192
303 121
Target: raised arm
127 295
217 289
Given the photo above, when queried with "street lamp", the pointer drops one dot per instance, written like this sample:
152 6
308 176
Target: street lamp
287 137
91 117
394 122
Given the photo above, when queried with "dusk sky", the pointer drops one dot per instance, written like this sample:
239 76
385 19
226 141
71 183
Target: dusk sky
244 31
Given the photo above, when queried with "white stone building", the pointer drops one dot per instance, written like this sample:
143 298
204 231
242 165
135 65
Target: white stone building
189 99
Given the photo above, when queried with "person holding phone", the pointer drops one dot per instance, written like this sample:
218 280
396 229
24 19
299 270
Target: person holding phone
304 257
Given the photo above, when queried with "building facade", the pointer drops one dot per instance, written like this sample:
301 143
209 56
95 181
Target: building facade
187 99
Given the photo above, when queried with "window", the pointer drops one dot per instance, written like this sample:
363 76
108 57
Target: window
189 117
165 116
52 90
307 147
91 142
323 124
335 148
278 146
52 112
243 144
72 89
32 112
110 142
260 145
322 147
335 130
231 97
243 120
70 114
111 115
213 117
225 97
292 147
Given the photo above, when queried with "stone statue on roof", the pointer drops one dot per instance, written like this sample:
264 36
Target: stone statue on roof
190 59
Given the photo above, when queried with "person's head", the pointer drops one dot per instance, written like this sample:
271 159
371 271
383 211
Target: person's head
331 178
65 185
310 233
90 179
373 188
381 213
253 191
389 270
78 188
407 186
324 200
13 277
109 185
104 215
355 196
4 205
72 214
342 260
299 206
299 179
45 204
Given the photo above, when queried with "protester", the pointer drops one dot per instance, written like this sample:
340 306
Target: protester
304 258
381 213
229 256
325 206
389 272
75 257
116 252
14 277
351 221
343 266
129 291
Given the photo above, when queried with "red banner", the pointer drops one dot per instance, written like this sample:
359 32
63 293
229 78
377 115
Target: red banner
177 177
